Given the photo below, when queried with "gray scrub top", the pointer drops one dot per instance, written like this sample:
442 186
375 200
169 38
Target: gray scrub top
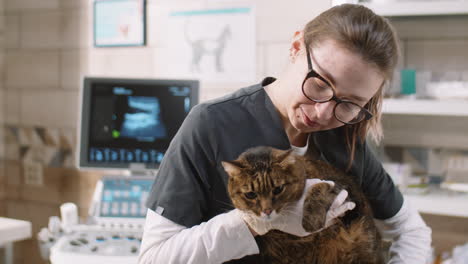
190 186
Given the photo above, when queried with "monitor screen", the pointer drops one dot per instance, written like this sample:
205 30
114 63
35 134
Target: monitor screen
130 122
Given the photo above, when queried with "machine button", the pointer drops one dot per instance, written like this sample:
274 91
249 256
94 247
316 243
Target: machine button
74 243
82 240
111 250
134 250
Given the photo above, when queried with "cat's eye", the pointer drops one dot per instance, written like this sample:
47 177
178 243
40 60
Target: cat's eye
278 190
250 195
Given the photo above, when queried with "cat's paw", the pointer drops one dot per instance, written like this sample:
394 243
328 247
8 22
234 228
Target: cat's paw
318 201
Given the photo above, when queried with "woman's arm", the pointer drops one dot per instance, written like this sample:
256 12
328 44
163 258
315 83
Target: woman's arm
222 238
411 236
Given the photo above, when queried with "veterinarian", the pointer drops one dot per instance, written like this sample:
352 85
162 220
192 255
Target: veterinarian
329 96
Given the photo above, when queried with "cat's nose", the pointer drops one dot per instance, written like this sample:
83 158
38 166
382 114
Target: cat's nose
267 211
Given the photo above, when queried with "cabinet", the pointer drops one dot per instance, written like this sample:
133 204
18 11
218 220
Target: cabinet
425 29
433 38
439 204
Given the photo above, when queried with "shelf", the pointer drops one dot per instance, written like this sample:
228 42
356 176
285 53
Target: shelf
419 8
440 204
425 107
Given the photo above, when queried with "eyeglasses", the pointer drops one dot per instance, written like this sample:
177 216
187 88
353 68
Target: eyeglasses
319 90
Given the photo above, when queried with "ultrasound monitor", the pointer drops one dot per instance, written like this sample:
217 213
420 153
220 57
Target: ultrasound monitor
129 123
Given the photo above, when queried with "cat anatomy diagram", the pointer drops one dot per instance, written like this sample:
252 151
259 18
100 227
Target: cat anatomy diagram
211 45
204 47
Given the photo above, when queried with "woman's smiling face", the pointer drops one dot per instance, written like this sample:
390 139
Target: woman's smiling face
353 79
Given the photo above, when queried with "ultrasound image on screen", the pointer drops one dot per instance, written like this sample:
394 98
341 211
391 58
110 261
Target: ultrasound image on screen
133 122
143 119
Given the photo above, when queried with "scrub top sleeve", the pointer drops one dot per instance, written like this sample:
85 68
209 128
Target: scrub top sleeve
385 198
180 191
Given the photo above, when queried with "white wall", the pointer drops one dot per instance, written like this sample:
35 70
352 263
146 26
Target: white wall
276 22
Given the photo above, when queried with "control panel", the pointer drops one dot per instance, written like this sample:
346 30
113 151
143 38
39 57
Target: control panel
115 232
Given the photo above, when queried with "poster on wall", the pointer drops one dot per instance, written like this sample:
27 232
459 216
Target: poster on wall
210 45
119 23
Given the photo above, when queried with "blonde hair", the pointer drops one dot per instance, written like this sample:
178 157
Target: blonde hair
359 30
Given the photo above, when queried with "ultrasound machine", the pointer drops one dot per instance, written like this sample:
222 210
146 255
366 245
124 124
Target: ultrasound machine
125 124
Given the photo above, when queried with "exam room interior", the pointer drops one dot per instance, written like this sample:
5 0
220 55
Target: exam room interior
46 48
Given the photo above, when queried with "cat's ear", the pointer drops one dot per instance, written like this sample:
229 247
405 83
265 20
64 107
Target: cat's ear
286 157
231 167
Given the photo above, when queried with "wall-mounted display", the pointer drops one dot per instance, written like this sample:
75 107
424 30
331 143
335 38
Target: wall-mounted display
119 23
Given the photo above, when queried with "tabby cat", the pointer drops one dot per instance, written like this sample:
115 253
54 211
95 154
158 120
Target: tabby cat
264 178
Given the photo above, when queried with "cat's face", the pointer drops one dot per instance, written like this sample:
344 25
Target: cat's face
263 180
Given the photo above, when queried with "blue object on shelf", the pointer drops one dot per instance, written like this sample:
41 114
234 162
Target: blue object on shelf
408 81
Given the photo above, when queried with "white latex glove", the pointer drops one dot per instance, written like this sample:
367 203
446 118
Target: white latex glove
338 208
290 218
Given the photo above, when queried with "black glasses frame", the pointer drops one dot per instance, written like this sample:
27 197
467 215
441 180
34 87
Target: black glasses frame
313 74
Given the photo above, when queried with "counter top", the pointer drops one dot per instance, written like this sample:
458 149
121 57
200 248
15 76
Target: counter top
13 230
